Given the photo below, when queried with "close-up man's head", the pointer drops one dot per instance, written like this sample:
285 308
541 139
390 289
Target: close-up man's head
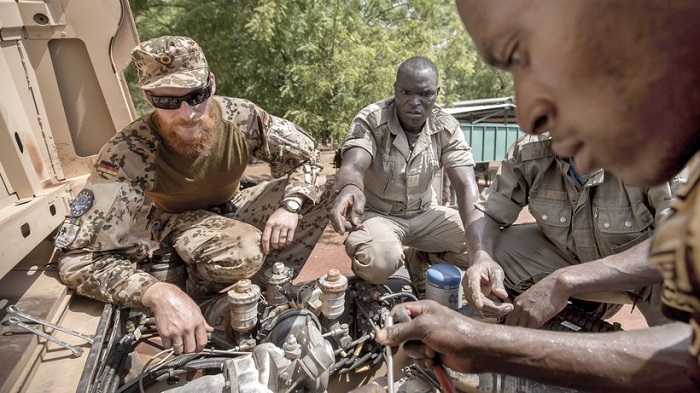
616 83
175 79
415 91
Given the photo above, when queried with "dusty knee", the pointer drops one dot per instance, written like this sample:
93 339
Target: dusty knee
226 259
375 263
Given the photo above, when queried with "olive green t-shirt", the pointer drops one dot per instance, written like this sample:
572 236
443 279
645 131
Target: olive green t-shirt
200 182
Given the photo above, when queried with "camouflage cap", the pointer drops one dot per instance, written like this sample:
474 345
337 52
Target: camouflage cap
170 61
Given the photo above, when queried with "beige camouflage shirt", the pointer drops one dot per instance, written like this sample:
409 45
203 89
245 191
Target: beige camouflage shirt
98 238
675 250
601 217
399 180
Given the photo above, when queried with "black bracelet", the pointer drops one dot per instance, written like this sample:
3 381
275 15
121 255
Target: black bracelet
337 191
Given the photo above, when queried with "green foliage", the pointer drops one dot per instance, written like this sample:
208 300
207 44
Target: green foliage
318 62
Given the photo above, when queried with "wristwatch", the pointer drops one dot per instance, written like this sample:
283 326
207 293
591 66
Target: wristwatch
292 204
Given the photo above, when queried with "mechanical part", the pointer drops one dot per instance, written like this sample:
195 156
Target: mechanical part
445 381
243 300
573 319
278 278
292 350
14 311
292 340
388 322
444 284
333 286
77 351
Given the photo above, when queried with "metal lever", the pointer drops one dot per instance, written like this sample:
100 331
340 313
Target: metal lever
389 321
14 311
77 351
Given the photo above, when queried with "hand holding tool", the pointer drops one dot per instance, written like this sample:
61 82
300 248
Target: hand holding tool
438 369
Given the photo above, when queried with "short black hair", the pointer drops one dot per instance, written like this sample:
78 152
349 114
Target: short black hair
417 64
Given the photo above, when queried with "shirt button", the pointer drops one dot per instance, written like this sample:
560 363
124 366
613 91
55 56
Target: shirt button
628 224
544 217
562 219
606 225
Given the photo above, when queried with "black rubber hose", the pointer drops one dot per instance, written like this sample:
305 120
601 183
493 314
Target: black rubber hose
357 364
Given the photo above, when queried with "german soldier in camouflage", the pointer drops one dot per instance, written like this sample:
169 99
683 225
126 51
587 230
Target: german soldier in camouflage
188 156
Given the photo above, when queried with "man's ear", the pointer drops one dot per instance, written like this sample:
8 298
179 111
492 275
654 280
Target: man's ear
213 83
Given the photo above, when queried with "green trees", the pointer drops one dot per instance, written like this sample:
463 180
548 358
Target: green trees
318 62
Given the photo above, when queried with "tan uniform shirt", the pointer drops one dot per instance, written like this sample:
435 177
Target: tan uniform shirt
676 251
399 180
602 217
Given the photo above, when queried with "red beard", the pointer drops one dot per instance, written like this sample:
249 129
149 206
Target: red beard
195 143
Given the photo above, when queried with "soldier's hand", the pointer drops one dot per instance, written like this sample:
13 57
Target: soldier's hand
279 230
346 213
484 289
179 320
542 301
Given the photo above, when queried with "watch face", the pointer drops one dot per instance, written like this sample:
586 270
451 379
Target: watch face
293 206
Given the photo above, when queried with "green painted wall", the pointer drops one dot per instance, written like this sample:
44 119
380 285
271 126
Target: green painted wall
490 141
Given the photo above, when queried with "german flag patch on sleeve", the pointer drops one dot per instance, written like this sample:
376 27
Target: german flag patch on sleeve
107 168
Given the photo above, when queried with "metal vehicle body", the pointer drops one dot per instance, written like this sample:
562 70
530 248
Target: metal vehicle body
63 95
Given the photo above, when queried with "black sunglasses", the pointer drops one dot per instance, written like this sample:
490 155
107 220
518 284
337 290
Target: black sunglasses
194 98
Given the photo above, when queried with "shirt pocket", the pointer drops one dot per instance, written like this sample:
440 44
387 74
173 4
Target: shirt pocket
380 178
427 170
553 214
621 228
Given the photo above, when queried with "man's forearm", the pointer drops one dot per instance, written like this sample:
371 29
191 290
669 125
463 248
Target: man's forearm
651 359
466 190
627 270
356 161
110 279
482 233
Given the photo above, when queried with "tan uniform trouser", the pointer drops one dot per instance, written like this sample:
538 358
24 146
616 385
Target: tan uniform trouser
527 256
220 250
377 250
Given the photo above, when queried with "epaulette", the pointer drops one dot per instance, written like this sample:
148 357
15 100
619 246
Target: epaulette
529 148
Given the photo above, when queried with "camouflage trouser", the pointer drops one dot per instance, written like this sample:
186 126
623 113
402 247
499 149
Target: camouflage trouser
377 250
220 250
527 257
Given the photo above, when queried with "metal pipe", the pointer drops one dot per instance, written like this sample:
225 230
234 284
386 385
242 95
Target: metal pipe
388 322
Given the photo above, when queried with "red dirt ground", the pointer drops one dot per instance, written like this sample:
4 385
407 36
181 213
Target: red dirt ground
329 252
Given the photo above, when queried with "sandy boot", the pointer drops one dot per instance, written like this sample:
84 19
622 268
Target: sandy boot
417 263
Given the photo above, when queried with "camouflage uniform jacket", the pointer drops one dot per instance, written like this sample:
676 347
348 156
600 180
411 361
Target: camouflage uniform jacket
676 251
602 217
399 180
98 238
